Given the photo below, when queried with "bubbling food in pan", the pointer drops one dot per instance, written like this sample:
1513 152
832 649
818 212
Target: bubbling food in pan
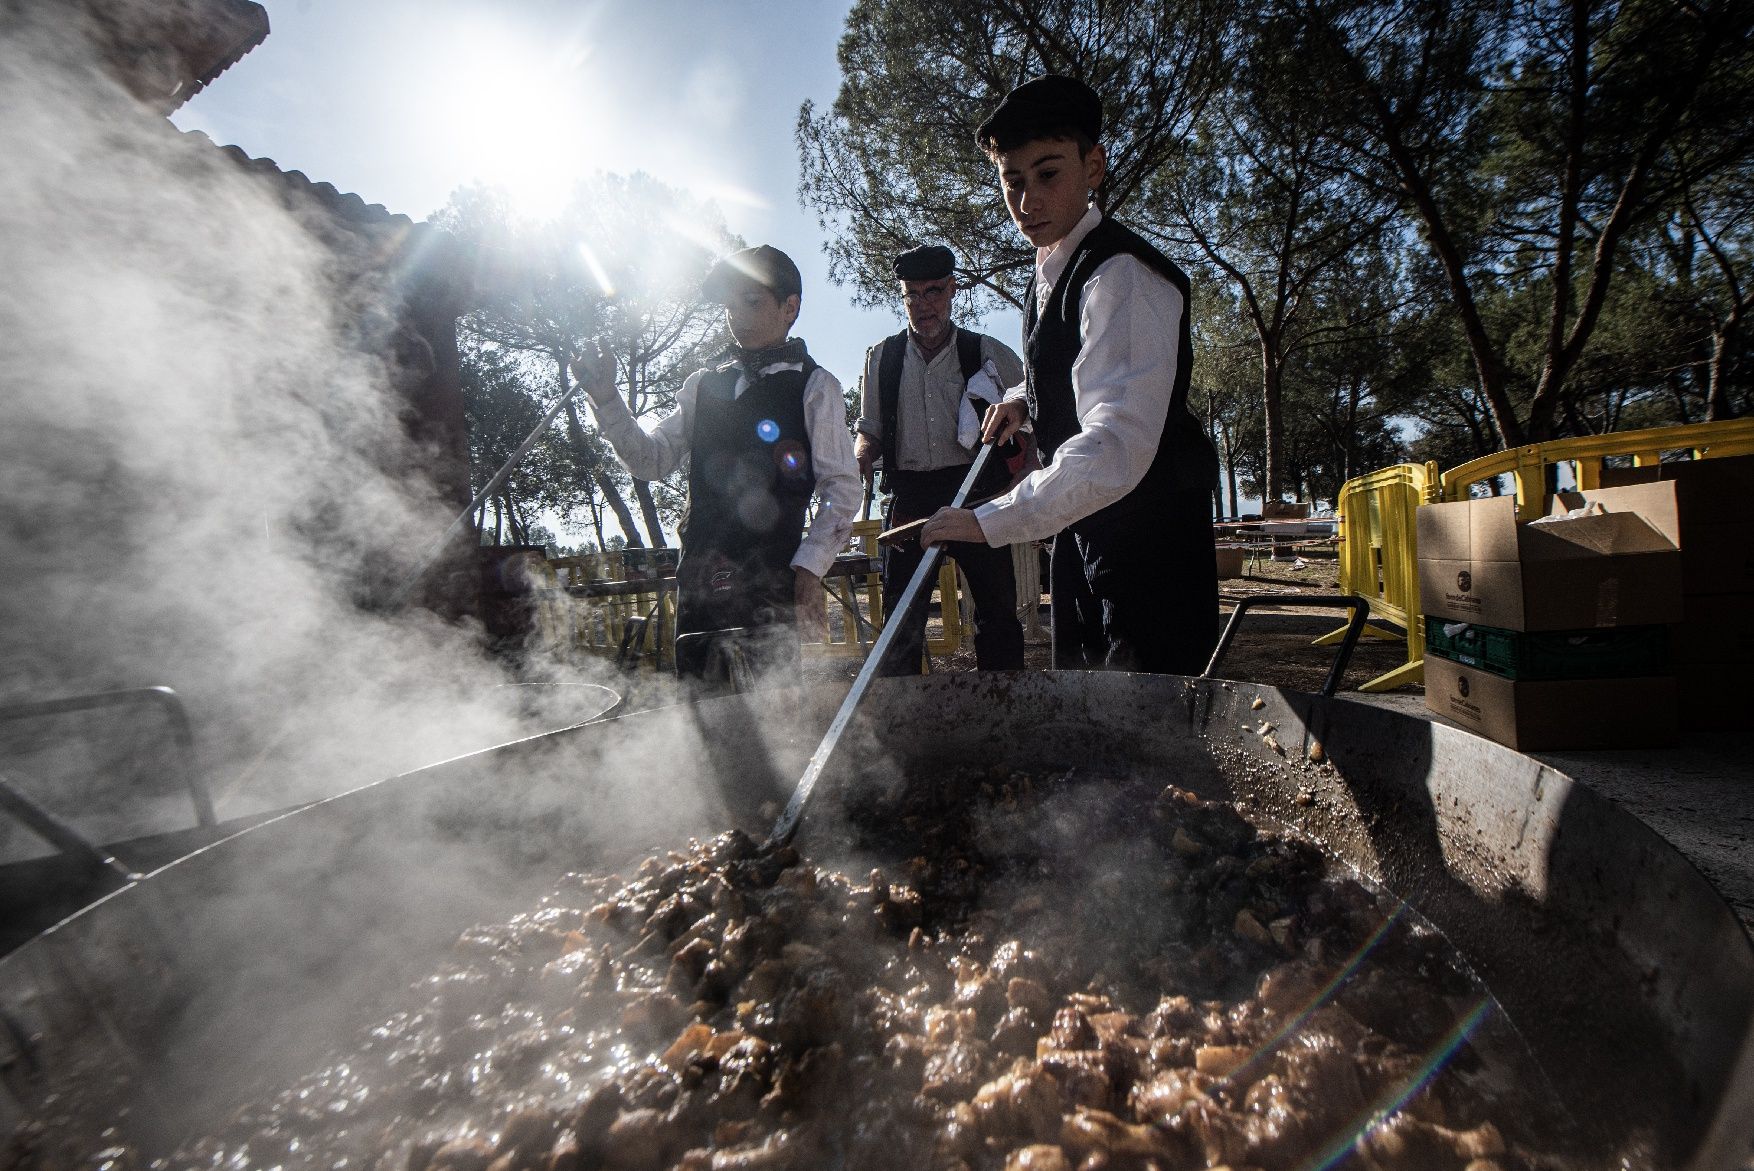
1039 972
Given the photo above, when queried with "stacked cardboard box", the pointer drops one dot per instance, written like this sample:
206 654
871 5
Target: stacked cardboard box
1713 648
1538 589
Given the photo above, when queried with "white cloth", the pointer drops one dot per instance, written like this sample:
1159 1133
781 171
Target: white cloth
653 453
985 385
930 402
1129 318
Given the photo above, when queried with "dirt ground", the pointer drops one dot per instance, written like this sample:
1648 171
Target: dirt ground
1274 643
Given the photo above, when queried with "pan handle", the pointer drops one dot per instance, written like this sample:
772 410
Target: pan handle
164 697
1354 625
59 834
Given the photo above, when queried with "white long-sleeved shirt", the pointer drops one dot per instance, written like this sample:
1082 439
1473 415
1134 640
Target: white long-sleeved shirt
1129 319
928 401
653 453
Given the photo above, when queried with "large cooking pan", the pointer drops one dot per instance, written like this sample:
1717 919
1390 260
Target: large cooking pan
1628 976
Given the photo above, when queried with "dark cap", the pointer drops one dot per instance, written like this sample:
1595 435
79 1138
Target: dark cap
1048 107
765 265
928 262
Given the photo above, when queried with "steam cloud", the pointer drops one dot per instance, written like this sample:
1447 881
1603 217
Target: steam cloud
194 444
204 469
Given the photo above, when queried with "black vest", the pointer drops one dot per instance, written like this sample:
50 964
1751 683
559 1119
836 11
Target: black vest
750 473
889 363
1185 459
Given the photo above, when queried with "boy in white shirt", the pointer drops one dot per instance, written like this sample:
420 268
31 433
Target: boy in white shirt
763 429
1126 490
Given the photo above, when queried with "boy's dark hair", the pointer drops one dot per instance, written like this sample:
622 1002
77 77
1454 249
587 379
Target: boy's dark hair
1049 107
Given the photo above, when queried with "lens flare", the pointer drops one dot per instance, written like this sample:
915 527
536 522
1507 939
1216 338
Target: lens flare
791 461
768 430
1385 1106
710 241
1325 993
598 272
505 100
730 193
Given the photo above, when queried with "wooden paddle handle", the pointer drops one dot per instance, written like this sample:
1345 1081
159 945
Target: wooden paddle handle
900 533
911 530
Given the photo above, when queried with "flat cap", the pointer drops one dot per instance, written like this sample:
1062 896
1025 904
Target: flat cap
928 262
1047 107
765 265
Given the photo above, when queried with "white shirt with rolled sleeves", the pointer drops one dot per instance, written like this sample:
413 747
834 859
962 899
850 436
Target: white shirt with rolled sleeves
1130 320
653 453
929 402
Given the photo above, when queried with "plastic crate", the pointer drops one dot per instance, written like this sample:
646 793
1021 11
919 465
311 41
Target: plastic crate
1598 653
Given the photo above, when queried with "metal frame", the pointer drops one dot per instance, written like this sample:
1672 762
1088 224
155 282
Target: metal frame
164 697
1354 626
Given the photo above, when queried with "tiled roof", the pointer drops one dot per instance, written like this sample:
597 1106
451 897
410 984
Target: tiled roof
414 249
164 53
245 27
345 205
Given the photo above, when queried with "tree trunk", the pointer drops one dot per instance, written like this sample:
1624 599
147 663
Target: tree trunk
1717 403
1417 187
1228 447
623 514
575 435
520 534
642 491
1352 395
1271 392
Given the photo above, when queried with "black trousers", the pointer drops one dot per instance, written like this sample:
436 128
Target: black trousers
751 594
998 635
1135 587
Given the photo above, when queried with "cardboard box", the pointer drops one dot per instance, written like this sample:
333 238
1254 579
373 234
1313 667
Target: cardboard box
1623 568
1713 657
1710 702
1715 502
1717 629
1550 714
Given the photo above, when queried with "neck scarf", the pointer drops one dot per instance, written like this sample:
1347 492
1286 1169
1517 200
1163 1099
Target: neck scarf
755 361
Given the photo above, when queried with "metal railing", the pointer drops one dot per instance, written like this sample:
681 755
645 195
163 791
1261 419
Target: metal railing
1528 466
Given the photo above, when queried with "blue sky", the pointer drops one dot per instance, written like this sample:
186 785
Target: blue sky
403 101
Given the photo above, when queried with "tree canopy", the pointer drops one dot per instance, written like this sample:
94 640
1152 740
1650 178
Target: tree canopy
1456 224
621 267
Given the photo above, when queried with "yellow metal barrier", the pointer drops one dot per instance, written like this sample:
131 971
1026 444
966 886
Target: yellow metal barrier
1585 453
597 625
844 643
1379 551
949 609
843 626
1379 559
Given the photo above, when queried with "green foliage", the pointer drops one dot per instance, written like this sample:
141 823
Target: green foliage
894 161
1418 228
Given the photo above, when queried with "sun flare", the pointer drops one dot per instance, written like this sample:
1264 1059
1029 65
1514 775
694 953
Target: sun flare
520 116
